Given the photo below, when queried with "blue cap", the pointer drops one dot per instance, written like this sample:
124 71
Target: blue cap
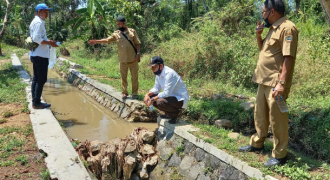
43 6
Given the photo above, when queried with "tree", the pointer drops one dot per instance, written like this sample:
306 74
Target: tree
5 22
326 8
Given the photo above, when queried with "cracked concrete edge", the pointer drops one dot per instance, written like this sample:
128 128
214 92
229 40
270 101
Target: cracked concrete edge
72 64
62 160
183 130
105 88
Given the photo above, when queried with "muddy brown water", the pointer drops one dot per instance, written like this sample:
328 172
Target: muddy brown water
83 117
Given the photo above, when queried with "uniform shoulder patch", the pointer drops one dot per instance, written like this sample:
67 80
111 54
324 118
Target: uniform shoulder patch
288 38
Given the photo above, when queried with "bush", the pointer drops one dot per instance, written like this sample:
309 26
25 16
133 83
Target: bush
225 108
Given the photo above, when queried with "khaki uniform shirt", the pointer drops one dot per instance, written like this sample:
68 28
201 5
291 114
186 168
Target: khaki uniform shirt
126 52
281 40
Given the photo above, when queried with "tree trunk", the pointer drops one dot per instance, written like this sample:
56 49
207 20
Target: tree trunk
326 8
50 21
297 5
5 21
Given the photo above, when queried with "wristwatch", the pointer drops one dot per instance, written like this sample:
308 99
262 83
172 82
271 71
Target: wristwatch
138 53
281 82
152 99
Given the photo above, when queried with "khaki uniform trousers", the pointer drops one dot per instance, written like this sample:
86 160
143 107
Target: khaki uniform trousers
267 112
134 69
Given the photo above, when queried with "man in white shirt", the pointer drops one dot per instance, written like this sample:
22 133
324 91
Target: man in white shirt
40 55
174 95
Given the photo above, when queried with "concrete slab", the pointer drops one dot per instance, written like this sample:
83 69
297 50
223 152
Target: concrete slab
62 160
183 130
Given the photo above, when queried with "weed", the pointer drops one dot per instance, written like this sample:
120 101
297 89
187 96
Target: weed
25 109
3 121
7 114
7 163
4 154
179 149
23 159
208 170
45 175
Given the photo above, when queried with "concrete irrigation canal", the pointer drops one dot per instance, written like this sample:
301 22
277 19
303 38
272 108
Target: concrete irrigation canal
115 140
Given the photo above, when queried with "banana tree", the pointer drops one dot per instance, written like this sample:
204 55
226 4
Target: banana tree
16 25
94 19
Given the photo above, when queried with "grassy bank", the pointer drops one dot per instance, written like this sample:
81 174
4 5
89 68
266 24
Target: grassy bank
219 57
19 155
212 62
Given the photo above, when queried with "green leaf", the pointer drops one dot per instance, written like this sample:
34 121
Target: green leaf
90 7
78 24
99 8
72 21
82 10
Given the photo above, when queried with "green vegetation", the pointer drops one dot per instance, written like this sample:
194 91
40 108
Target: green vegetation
7 114
214 52
299 166
11 88
45 174
218 57
3 121
23 159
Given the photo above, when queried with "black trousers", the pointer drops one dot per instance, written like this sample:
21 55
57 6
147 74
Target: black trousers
40 70
170 105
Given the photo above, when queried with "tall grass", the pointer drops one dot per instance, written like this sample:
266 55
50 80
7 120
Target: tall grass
218 57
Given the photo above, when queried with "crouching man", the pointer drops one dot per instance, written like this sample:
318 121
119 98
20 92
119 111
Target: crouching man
174 95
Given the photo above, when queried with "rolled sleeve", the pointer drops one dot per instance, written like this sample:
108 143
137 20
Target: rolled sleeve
136 38
112 38
37 33
290 42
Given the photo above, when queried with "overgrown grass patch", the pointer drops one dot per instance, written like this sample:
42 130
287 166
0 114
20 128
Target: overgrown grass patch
299 166
7 50
11 88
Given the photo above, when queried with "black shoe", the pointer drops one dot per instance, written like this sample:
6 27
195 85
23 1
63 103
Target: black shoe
250 148
41 106
275 161
173 120
135 96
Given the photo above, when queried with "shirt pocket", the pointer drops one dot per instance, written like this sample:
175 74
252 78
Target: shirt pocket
271 42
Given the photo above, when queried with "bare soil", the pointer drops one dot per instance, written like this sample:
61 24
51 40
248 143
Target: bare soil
35 163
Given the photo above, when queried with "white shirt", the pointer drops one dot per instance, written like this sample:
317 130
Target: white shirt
38 34
172 85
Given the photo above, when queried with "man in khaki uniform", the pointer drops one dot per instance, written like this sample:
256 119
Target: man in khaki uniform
273 73
128 44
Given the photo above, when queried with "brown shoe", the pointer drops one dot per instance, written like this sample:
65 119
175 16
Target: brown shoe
124 96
